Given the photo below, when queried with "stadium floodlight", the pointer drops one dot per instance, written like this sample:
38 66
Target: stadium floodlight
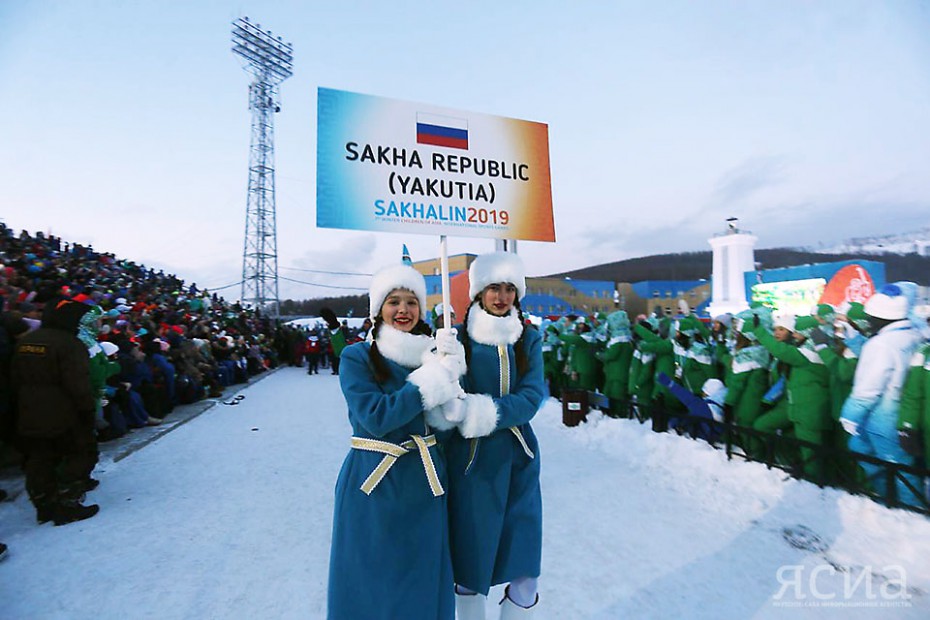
270 61
267 56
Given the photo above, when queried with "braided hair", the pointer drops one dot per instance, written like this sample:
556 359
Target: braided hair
518 348
379 365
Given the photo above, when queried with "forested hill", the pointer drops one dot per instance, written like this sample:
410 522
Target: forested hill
684 266
697 265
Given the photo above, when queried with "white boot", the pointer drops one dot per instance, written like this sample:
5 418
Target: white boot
469 606
512 611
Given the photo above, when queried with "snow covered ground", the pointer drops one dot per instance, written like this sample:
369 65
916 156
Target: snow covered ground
228 516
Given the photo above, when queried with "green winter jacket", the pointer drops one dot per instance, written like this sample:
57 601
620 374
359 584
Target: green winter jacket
617 359
337 338
698 367
664 351
581 360
841 369
747 382
914 413
808 387
101 369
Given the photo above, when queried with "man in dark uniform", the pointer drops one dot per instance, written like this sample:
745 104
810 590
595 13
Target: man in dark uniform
50 377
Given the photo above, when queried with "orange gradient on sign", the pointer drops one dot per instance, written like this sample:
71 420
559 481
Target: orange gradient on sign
849 284
458 294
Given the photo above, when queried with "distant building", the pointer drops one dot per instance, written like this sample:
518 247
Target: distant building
560 296
554 297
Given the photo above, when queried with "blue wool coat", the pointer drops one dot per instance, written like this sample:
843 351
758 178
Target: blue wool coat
495 507
390 550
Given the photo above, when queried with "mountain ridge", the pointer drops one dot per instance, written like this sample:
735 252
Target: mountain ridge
699 265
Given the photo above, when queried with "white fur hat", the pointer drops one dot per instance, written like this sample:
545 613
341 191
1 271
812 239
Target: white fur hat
785 320
495 268
394 277
888 307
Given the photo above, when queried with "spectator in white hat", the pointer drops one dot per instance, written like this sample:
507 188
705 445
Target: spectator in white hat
870 414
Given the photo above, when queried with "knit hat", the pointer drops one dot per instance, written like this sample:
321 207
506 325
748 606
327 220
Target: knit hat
494 268
618 324
438 310
826 312
888 303
724 319
109 348
786 321
746 316
391 278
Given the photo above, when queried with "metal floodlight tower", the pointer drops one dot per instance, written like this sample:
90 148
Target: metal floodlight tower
270 61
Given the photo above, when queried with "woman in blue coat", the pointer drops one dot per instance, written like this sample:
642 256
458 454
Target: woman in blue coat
390 548
495 504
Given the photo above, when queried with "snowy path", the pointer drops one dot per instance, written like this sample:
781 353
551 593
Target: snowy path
229 517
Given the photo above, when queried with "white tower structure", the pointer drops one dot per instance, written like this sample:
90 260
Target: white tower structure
733 257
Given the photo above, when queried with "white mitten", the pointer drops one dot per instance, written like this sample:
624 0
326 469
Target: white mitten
436 418
451 352
454 410
447 341
436 384
455 364
480 416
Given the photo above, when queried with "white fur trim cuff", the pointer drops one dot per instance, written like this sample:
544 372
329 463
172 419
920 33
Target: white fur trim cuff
480 416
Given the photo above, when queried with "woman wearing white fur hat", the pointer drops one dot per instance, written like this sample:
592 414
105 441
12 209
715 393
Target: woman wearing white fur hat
390 548
495 505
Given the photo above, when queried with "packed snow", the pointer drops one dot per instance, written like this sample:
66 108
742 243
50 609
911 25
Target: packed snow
229 516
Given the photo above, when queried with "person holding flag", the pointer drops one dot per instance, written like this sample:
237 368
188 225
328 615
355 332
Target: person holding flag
495 503
390 556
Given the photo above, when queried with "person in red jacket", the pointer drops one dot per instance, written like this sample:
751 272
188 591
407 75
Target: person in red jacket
312 350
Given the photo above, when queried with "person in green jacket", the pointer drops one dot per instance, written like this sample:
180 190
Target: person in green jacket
807 389
914 415
337 336
552 364
101 369
617 358
840 362
696 354
642 367
721 333
747 374
660 344
581 361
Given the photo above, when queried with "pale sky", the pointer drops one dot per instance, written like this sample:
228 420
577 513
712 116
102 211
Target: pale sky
126 123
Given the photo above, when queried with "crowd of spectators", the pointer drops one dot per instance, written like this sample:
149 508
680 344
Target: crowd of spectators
155 342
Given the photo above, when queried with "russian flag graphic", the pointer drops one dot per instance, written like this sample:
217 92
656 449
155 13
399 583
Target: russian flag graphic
442 131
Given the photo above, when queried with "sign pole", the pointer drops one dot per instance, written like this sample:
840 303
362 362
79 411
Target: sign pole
444 270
